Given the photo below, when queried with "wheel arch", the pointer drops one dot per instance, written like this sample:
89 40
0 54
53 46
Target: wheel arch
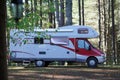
91 57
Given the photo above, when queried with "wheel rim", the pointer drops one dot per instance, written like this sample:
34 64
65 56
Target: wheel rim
39 63
92 62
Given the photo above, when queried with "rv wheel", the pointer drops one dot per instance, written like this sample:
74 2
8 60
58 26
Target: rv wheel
92 62
39 63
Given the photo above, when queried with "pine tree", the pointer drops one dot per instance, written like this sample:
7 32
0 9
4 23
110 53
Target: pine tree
3 50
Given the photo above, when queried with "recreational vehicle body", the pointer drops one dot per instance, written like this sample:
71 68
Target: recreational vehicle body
43 46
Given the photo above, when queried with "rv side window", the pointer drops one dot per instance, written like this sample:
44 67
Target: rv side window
82 44
38 40
83 31
59 40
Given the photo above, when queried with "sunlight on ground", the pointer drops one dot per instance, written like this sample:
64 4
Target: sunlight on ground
63 73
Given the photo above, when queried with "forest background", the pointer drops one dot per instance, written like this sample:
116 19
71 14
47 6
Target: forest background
102 15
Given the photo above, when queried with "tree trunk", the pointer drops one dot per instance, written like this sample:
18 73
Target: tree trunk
54 23
50 14
109 60
118 35
113 31
68 12
105 25
40 13
79 10
99 22
32 6
35 5
3 48
57 12
83 19
62 21
26 7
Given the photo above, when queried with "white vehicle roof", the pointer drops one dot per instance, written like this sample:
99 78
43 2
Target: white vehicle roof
72 31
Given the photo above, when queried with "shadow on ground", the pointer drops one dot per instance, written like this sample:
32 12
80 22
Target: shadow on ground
64 73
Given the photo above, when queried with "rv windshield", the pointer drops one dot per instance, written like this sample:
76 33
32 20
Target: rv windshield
93 42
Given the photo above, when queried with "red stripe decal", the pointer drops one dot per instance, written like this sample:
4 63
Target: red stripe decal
67 48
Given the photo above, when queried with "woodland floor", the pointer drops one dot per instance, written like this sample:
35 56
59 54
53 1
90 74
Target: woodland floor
63 73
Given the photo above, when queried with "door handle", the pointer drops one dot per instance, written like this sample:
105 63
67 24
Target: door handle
68 52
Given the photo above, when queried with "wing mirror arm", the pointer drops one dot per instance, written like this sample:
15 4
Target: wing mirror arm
89 48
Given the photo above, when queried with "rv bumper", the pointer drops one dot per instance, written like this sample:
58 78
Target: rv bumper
101 59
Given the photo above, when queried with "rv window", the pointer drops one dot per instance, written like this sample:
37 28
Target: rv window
38 40
82 44
59 40
83 31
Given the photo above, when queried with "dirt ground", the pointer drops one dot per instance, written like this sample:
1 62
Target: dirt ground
63 73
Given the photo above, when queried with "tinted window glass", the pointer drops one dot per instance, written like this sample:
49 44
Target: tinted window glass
83 31
81 43
38 40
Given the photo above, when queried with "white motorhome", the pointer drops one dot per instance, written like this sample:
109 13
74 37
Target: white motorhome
43 46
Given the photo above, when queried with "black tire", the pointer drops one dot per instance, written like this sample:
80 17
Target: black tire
92 62
39 63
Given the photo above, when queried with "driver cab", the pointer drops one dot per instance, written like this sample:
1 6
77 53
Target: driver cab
83 47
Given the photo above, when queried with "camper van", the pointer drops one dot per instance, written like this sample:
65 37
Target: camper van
43 46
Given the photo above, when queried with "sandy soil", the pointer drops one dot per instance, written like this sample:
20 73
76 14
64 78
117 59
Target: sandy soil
64 73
